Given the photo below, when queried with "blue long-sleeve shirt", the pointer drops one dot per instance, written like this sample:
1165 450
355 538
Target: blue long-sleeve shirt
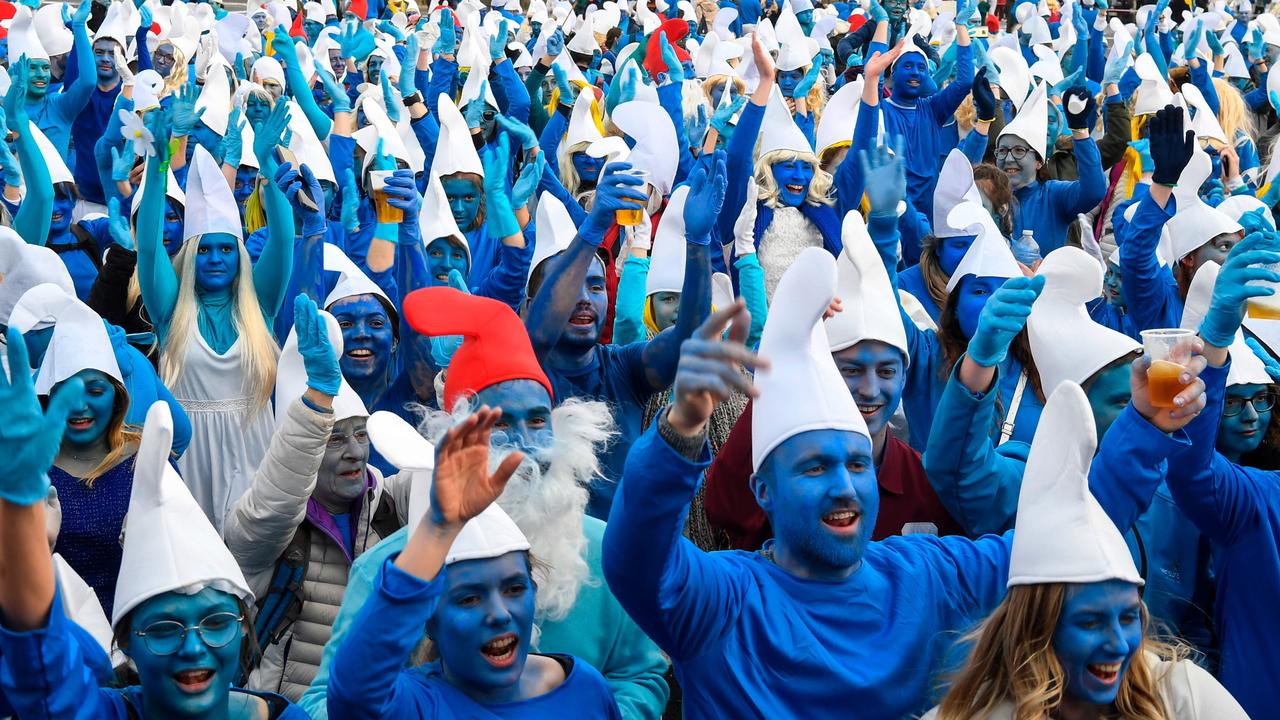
1047 208
369 681
1149 288
1238 508
924 135
979 484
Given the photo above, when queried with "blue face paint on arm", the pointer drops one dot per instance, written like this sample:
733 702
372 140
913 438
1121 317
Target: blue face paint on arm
1097 635
483 626
1109 395
950 251
971 296
526 415
194 680
587 167
368 338
217 262
874 373
819 491
89 422
793 178
443 255
1242 431
465 197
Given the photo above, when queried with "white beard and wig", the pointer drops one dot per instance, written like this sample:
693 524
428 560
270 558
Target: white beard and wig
547 495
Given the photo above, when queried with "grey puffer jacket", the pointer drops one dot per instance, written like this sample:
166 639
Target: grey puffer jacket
262 526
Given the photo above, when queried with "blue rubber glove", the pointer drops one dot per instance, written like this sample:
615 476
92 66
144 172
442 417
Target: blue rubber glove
390 28
1192 42
391 99
707 184
1075 79
695 128
337 95
1257 46
1273 367
1240 279
555 44
519 132
118 225
350 216
675 70
1116 66
1143 148
12 171
81 16
878 13
273 132
567 94
1171 147
809 80
965 10
1256 221
324 375
30 435
238 68
499 210
448 40
474 112
409 68
885 177
722 118
183 110
984 99
121 163
444 346
498 44
1215 43
231 149
402 193
1002 318
527 183
617 189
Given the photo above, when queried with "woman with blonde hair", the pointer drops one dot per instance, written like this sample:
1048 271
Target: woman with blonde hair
212 316
1237 124
1072 639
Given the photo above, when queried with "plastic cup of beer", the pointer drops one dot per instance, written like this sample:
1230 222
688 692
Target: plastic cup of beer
377 188
629 217
1169 350
1266 308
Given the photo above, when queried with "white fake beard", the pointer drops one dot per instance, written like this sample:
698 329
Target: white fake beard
549 506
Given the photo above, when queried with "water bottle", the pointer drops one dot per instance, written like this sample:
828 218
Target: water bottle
1026 250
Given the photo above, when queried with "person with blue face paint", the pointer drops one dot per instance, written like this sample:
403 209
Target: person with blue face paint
212 311
1048 207
54 113
466 575
179 612
891 16
30 219
1074 589
1232 502
568 310
92 122
576 613
794 210
313 494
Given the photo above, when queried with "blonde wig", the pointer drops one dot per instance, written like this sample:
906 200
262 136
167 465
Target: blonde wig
716 81
259 350
178 75
1013 661
819 187
1233 115
569 174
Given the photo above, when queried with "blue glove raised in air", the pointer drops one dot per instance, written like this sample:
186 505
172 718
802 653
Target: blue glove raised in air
1244 275
323 372
1002 318
30 435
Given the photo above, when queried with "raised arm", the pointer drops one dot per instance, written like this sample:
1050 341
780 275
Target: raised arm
32 220
282 45
157 280
75 94
275 265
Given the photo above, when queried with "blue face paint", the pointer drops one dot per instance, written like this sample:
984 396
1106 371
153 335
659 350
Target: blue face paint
950 251
163 59
874 373
443 255
819 490
1243 432
488 118
464 200
256 109
1108 395
104 60
666 308
972 295
60 218
1111 287
246 182
373 69
312 29
217 262
788 80
88 422
1097 635
526 415
587 318
1055 126
716 94
368 337
172 227
484 625
806 20
793 178
195 680
37 343
39 73
909 75
587 167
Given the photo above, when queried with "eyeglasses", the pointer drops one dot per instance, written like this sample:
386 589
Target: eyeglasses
1018 152
165 637
1261 403
336 441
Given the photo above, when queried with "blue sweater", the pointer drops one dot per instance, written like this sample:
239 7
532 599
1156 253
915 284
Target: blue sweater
54 673
368 680
1149 288
750 640
1047 208
1238 508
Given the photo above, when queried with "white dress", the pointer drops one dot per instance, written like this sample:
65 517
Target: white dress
227 443
789 234
1188 690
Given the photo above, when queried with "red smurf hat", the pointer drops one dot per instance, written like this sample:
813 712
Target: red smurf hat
495 345
675 30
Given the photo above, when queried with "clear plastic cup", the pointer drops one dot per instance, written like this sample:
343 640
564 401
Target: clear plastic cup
630 216
1169 350
386 212
1266 308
